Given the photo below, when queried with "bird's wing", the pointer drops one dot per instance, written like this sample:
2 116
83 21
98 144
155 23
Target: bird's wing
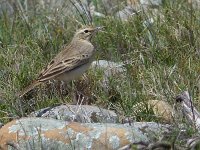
56 69
64 64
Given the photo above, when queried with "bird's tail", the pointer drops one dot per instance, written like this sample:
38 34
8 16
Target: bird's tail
28 88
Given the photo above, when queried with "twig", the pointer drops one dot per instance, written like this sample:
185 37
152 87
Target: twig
189 110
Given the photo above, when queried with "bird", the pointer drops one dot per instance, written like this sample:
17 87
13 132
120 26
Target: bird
71 62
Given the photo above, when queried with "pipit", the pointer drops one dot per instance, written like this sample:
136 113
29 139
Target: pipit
71 62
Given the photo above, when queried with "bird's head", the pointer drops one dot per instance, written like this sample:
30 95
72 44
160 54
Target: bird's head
87 33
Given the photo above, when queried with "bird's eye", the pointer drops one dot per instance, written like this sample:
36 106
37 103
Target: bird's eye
86 31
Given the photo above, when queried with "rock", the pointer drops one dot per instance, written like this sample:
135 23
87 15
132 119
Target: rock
78 113
195 3
62 8
55 4
135 6
37 133
162 110
68 8
144 3
86 8
126 13
109 69
95 13
109 6
6 8
151 3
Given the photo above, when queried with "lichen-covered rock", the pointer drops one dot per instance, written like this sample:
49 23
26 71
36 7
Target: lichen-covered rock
78 113
162 110
43 133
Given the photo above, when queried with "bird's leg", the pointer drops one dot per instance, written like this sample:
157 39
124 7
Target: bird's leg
60 90
73 93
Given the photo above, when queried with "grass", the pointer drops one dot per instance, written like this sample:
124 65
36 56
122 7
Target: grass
164 59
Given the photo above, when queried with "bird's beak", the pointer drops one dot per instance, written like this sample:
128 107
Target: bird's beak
97 29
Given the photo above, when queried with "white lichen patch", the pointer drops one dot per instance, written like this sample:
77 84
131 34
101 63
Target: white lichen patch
82 141
88 143
33 126
95 134
70 133
114 141
135 136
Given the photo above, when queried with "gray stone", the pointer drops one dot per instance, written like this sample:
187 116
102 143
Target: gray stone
151 3
69 8
126 13
6 8
108 67
195 4
78 113
109 70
